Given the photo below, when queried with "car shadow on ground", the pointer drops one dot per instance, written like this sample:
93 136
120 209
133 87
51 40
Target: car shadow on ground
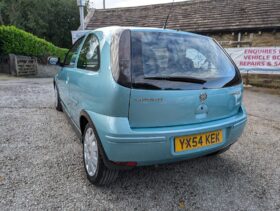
210 168
193 180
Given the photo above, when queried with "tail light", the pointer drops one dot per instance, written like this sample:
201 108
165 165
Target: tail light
130 164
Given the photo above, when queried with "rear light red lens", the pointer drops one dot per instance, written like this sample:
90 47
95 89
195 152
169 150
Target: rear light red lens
131 164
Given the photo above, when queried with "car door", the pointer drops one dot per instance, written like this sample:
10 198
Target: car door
83 78
63 75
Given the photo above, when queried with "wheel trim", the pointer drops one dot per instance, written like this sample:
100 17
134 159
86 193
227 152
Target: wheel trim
90 152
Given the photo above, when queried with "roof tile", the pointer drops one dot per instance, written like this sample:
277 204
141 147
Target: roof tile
195 15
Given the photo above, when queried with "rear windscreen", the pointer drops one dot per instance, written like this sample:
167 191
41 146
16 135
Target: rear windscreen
161 60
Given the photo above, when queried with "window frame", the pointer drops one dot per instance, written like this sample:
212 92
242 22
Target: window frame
98 54
78 50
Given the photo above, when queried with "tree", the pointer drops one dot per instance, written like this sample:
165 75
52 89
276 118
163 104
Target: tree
49 19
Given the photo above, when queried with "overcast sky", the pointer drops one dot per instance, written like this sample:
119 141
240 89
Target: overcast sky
126 3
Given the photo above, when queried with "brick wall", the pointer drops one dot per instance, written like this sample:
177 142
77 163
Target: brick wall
262 80
266 39
253 39
249 39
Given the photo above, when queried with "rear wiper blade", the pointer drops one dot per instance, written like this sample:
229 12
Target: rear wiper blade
176 78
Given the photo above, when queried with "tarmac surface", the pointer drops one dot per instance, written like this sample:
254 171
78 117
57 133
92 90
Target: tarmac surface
41 162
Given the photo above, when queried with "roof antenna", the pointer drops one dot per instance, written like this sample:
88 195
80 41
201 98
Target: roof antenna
170 9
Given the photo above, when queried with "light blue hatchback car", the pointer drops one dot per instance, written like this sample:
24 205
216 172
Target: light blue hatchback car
145 96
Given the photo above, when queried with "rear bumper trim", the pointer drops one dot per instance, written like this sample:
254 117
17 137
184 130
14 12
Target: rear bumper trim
239 123
148 146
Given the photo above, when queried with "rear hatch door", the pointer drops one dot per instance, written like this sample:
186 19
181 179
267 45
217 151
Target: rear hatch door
180 78
156 108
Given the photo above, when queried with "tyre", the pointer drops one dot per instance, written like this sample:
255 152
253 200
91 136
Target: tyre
58 105
97 172
220 151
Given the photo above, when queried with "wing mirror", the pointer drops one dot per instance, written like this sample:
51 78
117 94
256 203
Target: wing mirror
54 61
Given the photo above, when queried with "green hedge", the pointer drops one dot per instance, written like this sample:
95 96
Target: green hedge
17 41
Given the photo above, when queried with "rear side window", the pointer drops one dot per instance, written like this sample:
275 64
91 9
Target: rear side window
89 58
121 57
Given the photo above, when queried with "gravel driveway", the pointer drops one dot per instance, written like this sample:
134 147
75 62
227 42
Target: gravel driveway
41 162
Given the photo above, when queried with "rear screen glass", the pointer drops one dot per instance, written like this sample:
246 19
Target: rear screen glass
164 60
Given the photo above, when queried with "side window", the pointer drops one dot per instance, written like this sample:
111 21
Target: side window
90 54
71 56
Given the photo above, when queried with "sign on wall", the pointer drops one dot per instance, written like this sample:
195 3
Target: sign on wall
256 59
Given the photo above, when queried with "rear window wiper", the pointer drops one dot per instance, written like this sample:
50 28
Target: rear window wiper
150 86
176 78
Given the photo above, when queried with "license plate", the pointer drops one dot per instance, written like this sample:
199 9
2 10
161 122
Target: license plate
196 141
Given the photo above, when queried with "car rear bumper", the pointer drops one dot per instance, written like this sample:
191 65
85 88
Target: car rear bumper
148 146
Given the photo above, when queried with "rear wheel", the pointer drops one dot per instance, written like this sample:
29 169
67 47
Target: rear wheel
58 105
97 172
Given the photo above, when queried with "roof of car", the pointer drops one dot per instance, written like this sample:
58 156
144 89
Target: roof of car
114 29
